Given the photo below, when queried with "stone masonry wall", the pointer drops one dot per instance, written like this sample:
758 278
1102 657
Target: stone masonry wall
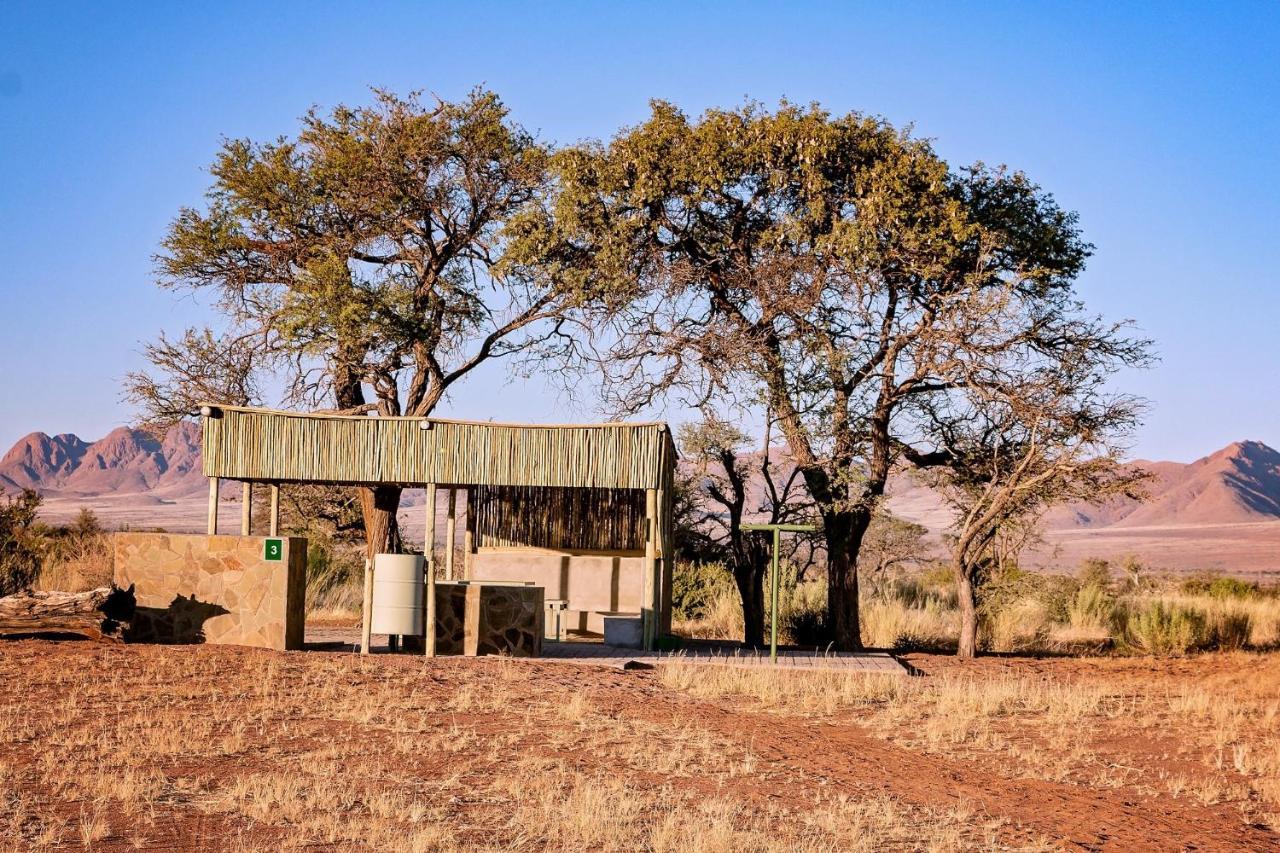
214 589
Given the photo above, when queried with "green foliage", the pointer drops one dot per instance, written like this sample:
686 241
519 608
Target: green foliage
1092 606
694 586
1095 572
1220 586
20 545
1162 629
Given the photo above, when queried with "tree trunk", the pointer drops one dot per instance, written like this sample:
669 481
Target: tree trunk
968 647
101 614
750 581
379 505
844 532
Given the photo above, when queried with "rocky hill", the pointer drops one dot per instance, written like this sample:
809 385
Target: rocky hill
125 462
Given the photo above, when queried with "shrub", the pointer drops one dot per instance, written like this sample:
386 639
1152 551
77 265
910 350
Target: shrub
1091 607
1218 586
1163 629
20 548
696 586
802 617
1018 626
808 628
335 577
1229 630
1095 572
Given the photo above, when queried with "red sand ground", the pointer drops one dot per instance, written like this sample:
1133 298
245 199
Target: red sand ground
68 712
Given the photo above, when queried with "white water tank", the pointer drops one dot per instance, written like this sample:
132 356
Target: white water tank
397 594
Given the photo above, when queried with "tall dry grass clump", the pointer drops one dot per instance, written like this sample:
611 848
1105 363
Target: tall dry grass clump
1021 611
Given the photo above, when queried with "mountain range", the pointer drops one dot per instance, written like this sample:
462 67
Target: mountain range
125 462
1221 511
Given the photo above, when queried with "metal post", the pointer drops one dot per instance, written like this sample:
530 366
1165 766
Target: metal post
777 530
773 640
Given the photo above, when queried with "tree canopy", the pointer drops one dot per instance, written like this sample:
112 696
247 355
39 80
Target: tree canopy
831 268
368 252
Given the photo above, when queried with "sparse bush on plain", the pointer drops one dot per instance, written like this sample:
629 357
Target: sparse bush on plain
696 586
1219 586
1229 631
1022 612
1159 628
1092 607
20 548
1095 572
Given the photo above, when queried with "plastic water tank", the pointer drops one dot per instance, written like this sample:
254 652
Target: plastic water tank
397 594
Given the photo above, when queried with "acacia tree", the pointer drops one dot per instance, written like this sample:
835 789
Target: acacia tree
1035 435
361 264
833 268
718 496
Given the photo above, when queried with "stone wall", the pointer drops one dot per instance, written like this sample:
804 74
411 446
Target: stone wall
474 618
237 590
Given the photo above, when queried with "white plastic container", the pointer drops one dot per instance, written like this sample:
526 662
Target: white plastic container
397 594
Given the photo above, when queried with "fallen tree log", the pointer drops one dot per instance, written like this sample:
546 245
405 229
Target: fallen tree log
101 614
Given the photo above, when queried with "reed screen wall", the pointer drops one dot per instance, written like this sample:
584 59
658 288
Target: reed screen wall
610 520
268 446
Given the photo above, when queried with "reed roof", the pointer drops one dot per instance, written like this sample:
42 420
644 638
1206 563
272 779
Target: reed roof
265 445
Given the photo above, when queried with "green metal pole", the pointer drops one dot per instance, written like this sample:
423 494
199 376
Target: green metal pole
773 641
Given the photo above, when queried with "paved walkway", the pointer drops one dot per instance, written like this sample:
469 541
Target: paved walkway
598 654
602 655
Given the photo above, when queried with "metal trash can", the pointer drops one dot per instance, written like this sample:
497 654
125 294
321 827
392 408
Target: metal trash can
397 594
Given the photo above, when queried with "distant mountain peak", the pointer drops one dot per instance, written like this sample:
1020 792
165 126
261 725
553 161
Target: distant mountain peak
125 461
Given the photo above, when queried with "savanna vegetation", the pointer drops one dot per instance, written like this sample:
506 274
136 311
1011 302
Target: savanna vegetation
1096 611
829 275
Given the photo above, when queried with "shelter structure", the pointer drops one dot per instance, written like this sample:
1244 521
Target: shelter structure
583 510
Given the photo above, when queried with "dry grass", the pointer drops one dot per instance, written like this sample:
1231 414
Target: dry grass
1050 615
1217 722
239 750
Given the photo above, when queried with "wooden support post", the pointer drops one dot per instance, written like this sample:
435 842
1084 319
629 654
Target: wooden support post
366 610
662 567
647 611
429 562
450 533
213 506
469 534
275 509
246 508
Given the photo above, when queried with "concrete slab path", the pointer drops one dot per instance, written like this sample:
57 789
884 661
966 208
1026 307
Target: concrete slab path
597 654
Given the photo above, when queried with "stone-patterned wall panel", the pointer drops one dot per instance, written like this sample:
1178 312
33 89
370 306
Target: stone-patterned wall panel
214 589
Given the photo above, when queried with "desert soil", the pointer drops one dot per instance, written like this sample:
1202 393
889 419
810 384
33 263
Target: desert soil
135 747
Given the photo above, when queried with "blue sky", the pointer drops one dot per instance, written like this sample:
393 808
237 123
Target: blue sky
1158 123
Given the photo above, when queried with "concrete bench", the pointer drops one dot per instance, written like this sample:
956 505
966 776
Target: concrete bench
625 630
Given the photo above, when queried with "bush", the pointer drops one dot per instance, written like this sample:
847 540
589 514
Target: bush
1218 586
21 550
1018 626
808 628
695 587
802 614
335 577
1095 572
1162 629
1229 631
1091 607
